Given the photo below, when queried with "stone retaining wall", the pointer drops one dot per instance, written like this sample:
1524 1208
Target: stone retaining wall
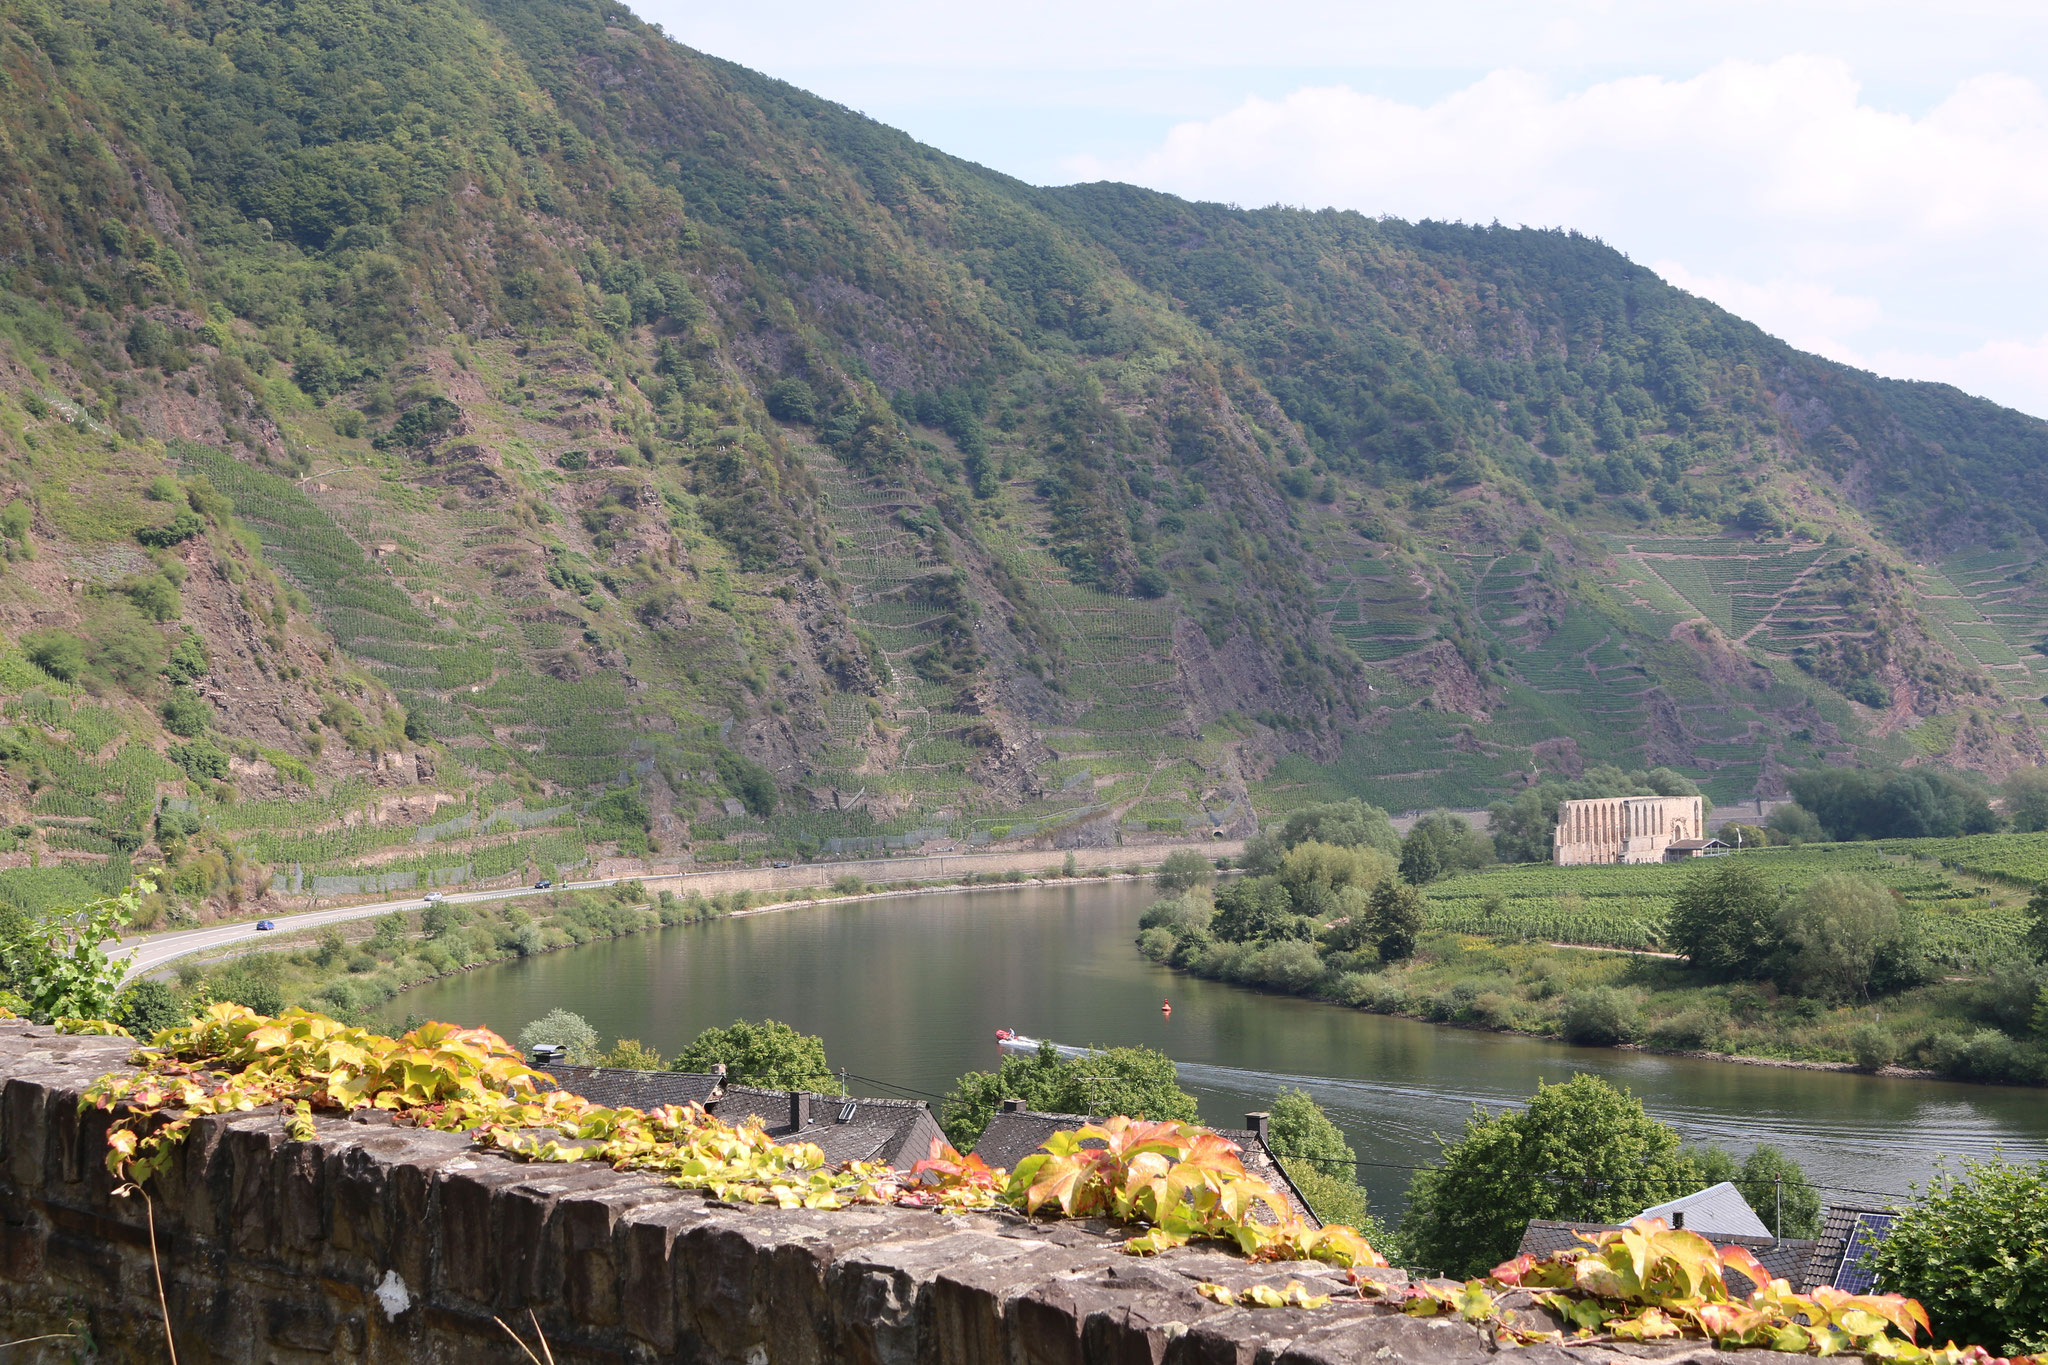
379 1243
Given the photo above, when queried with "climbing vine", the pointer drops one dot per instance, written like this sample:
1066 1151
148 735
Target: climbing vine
1650 1282
1181 1181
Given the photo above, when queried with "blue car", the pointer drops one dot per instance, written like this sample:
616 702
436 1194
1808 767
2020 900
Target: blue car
266 924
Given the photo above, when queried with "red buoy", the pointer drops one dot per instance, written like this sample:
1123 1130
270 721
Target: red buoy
1166 1007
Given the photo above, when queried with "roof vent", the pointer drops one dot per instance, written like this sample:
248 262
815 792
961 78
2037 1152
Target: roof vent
1677 1219
546 1054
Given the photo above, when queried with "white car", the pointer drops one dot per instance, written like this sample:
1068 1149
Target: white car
435 898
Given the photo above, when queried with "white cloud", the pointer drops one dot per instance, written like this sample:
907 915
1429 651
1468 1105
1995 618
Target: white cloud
1903 242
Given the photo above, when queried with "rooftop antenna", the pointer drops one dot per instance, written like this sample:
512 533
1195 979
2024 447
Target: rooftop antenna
1090 1082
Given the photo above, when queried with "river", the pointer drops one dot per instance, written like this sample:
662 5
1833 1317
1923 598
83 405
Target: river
908 993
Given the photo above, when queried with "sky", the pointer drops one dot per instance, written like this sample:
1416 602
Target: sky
1866 180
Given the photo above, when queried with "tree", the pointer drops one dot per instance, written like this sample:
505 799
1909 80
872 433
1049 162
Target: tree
1136 1081
628 1054
1775 1184
1582 1151
1348 824
1257 910
437 919
2037 923
56 963
1441 843
1974 1251
1794 824
564 1029
769 1054
2026 800
1847 937
1318 1160
1397 910
1314 873
1184 870
1725 920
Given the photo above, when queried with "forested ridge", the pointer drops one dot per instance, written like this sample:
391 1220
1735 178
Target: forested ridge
446 439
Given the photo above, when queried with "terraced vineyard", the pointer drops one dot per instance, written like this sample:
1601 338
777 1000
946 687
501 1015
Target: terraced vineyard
1990 608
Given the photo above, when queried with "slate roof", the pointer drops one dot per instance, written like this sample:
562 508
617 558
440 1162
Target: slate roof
1835 1226
621 1088
1785 1258
1012 1135
898 1132
1716 1211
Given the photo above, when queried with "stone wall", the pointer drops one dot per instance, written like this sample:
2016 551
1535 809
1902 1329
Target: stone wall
379 1243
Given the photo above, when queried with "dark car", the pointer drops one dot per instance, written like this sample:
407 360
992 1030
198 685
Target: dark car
266 924
543 885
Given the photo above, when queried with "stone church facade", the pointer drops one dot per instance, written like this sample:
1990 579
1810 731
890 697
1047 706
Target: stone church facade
1625 829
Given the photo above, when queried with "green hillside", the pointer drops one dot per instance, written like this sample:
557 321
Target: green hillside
451 440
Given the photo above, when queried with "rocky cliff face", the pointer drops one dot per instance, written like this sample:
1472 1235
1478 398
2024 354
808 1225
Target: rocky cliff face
555 412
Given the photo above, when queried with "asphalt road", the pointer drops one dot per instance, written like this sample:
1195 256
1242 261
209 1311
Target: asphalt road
147 952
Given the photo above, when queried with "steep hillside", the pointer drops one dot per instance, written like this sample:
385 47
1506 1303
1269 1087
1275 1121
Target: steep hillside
451 440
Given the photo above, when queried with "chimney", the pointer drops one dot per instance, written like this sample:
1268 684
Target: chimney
799 1109
1013 1106
545 1054
1677 1219
1260 1122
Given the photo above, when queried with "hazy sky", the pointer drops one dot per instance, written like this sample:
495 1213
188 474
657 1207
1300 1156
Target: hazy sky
1866 180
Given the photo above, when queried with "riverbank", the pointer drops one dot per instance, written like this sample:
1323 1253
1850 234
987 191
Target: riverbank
1639 1001
355 968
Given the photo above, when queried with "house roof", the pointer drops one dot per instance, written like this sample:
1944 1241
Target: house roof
1695 843
1716 1211
899 1132
845 1128
1785 1258
622 1088
1837 1228
1012 1135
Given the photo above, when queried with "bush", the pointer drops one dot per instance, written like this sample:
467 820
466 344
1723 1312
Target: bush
1183 871
187 714
58 653
1986 1055
1693 1030
1970 1251
1383 995
1493 1010
792 400
1599 1017
150 1005
1293 967
566 1028
177 530
1873 1046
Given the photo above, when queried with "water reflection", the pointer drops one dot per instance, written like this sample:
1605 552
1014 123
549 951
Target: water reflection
909 992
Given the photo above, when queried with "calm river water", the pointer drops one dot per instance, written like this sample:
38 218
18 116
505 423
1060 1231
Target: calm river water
908 994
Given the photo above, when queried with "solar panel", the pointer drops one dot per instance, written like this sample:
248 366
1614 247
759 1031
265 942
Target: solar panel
1864 1235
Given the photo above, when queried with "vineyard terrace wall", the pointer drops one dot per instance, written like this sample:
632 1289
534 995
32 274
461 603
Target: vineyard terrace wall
378 1243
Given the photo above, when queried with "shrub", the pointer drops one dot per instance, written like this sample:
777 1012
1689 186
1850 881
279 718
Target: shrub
187 714
1183 871
1293 966
58 653
1873 1046
1691 1030
147 1006
566 1028
1384 996
1599 1017
1493 1010
1970 1252
200 760
792 400
180 528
